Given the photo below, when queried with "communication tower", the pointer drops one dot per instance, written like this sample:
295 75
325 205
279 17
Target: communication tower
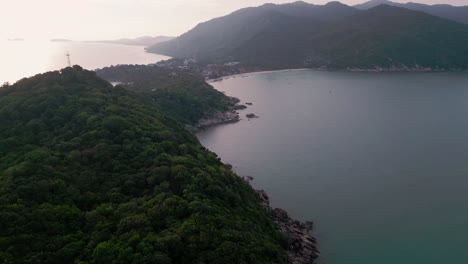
68 59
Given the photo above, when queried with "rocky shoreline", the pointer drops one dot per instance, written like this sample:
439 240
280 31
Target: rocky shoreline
219 118
214 119
302 245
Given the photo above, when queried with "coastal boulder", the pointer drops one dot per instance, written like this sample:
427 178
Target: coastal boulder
251 115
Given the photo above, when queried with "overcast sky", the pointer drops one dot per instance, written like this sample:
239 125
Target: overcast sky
110 19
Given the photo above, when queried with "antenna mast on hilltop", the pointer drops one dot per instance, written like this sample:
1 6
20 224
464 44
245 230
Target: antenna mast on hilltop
68 58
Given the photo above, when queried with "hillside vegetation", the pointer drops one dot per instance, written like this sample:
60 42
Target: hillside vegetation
91 173
455 13
333 36
185 96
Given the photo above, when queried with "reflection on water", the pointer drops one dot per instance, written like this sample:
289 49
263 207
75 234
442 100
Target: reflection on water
20 59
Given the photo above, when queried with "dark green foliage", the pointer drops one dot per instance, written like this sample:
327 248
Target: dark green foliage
184 96
388 36
285 36
456 13
91 173
265 35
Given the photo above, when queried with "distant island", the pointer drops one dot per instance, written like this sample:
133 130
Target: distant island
16 39
60 40
141 41
327 37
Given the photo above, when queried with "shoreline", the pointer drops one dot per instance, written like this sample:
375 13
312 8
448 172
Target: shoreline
350 70
216 72
302 244
222 78
231 115
215 119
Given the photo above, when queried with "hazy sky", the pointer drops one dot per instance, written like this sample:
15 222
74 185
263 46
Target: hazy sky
109 19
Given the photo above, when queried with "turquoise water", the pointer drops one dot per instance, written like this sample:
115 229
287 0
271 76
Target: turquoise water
378 161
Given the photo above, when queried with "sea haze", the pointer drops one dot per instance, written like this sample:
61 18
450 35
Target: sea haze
26 58
378 161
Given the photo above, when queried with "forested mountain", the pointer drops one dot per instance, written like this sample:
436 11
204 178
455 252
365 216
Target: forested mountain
249 30
387 36
333 36
91 173
456 13
332 11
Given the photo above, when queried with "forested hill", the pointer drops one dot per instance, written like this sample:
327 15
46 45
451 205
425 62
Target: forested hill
333 36
185 96
91 173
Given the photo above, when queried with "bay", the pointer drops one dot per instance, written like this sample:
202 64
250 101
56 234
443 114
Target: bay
379 162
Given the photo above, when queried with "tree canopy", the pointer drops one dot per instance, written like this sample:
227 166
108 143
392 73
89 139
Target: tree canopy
91 173
185 96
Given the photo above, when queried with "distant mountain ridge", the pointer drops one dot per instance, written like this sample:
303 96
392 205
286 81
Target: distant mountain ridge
456 13
235 35
332 36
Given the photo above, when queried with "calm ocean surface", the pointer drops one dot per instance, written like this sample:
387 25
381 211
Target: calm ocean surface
378 161
20 59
